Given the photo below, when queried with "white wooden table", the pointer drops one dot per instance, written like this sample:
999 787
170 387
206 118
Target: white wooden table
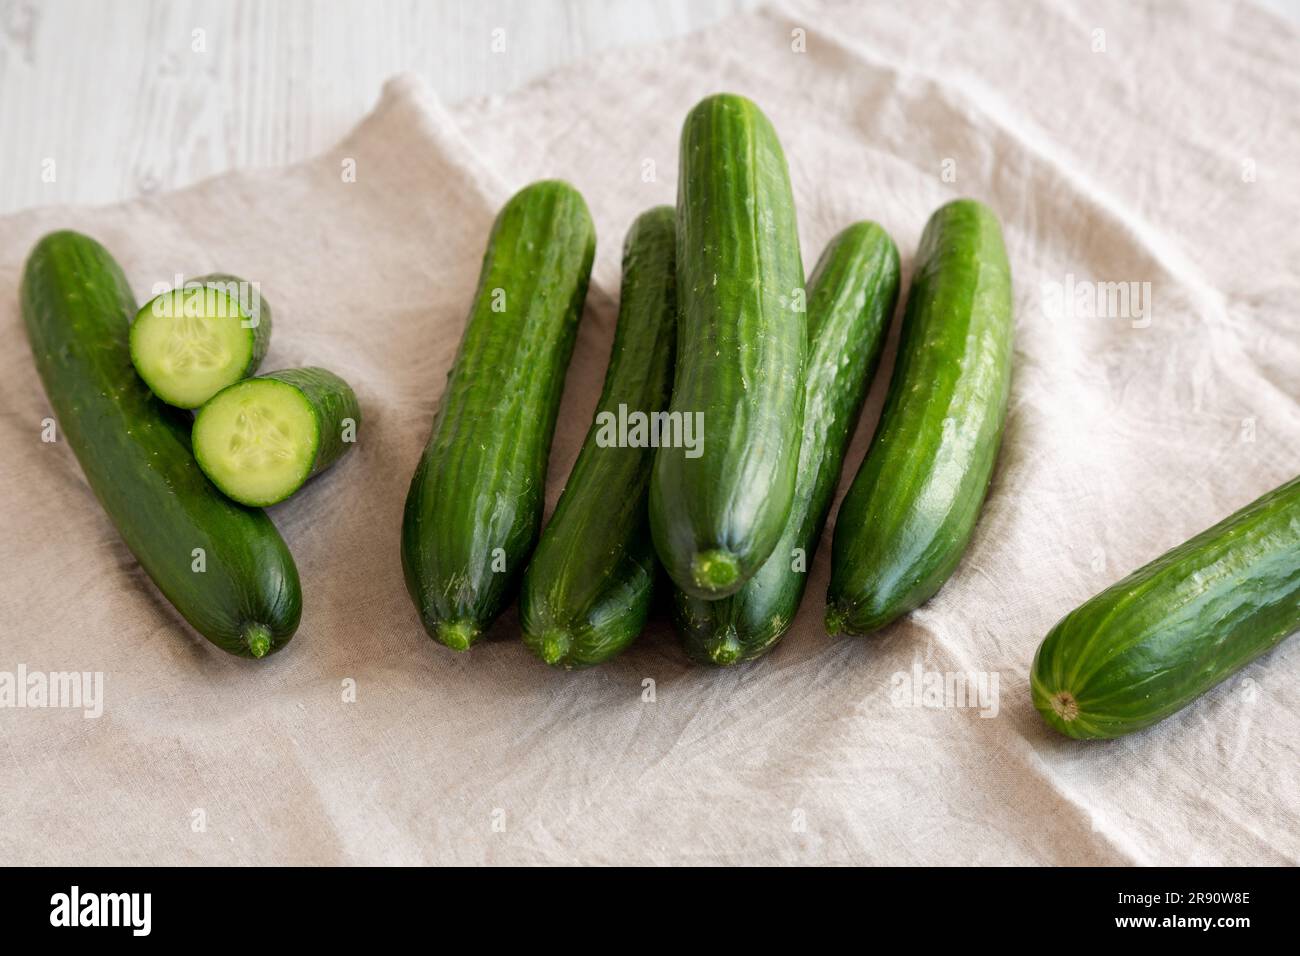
104 100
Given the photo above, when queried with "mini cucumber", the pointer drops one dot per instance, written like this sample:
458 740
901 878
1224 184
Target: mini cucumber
190 343
261 439
851 297
135 452
718 509
912 507
587 589
1149 645
475 503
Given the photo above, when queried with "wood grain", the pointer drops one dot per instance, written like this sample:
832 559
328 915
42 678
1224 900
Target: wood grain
104 100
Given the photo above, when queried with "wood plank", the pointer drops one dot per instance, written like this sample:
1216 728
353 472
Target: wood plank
104 100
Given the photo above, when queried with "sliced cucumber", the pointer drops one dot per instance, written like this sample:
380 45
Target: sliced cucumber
135 453
259 440
190 343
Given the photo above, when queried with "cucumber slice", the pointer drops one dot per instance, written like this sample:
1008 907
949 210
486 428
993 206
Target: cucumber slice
259 440
190 343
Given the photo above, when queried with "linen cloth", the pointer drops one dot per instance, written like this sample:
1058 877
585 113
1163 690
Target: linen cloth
1121 142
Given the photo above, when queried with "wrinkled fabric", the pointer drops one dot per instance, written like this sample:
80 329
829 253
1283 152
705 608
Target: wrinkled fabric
1125 142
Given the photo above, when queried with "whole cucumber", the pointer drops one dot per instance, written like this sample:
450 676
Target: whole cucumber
587 590
912 507
476 499
223 566
718 507
851 297
1151 644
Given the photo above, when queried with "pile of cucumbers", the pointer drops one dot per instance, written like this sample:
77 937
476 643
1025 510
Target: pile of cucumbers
708 472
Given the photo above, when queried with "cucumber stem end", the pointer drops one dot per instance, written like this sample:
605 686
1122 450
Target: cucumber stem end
257 637
724 649
835 619
714 570
554 646
458 635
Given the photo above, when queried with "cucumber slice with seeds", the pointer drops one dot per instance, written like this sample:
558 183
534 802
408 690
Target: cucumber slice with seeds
190 343
259 440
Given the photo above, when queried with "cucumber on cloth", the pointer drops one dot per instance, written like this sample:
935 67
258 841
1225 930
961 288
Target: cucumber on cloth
1152 643
223 566
912 507
851 297
189 343
718 508
587 589
476 499
261 439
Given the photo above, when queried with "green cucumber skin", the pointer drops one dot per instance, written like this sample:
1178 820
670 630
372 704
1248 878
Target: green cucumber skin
851 297
742 343
261 331
588 587
135 453
480 484
914 502
1149 645
333 403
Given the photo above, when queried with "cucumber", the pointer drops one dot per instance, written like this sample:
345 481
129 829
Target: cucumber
190 343
913 504
259 440
1151 644
241 590
851 295
476 499
587 590
718 509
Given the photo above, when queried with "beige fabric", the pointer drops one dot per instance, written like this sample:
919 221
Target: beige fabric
1168 158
